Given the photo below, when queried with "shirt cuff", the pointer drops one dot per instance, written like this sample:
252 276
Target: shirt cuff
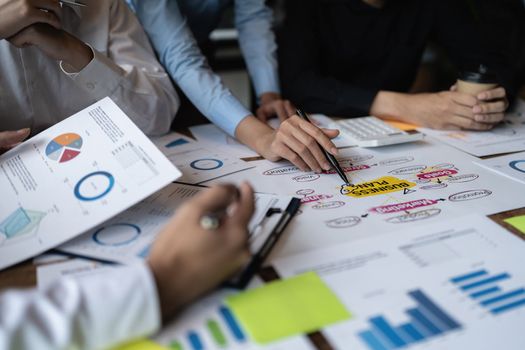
265 81
121 305
227 113
99 78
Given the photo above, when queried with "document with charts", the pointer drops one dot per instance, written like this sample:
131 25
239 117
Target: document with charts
199 162
127 237
457 284
74 176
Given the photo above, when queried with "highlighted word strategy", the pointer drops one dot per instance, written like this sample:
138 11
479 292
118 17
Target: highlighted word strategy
383 185
348 169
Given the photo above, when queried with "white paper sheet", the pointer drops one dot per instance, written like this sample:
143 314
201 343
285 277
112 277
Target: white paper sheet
374 277
74 176
214 137
128 236
505 138
199 162
512 166
441 183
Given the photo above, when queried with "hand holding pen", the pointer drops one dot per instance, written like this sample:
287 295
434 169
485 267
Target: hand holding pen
188 260
329 157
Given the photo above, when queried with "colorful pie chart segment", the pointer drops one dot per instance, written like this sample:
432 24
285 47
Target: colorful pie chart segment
64 148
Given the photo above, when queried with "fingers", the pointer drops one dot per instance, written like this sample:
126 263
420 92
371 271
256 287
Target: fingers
454 88
464 99
10 138
492 118
469 124
290 108
319 136
493 107
245 206
45 11
261 114
331 133
280 110
309 144
285 152
300 147
497 93
215 199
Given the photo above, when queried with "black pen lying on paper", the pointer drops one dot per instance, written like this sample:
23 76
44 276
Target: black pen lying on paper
328 156
245 276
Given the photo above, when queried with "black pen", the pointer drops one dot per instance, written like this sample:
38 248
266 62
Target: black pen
328 156
253 267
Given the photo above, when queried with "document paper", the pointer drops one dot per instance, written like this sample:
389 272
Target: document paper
74 176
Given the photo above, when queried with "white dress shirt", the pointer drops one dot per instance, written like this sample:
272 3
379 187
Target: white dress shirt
91 312
36 92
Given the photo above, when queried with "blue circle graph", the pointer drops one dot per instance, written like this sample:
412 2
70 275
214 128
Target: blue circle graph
216 164
82 197
514 165
106 241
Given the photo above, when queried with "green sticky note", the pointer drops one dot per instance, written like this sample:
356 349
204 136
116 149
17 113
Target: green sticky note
280 309
518 222
143 344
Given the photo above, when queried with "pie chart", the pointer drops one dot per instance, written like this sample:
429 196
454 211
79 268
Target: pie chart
64 148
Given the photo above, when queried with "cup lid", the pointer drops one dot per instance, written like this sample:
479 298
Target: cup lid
481 75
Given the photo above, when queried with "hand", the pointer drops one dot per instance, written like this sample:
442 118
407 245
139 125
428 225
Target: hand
449 110
16 15
298 141
10 139
188 260
273 105
55 43
491 106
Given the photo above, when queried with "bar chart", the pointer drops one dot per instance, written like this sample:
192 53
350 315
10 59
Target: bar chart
426 320
218 331
485 289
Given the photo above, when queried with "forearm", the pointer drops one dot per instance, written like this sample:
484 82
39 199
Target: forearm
254 133
392 105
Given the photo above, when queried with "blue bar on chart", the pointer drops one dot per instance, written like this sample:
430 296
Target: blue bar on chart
484 288
232 323
427 320
212 330
195 341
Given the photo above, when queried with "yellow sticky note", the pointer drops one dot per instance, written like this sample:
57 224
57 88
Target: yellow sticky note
518 222
280 309
143 344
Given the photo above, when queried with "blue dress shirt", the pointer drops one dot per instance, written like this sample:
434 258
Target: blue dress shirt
174 25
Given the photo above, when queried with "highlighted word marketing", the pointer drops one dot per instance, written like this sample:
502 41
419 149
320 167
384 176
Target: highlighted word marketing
393 208
280 309
383 185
